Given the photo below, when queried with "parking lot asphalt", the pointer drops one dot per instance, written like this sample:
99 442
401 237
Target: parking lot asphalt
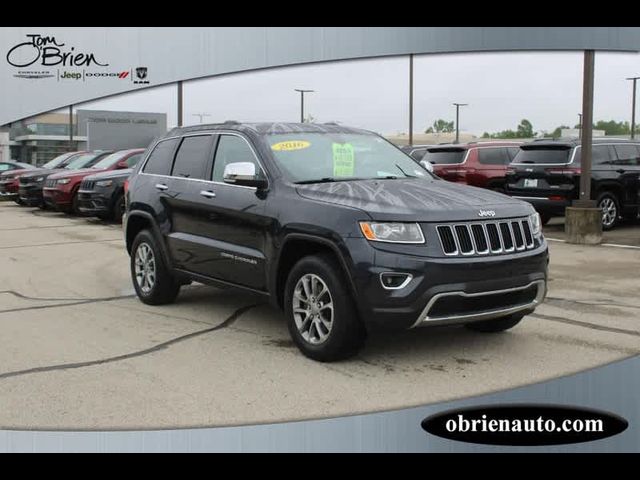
79 351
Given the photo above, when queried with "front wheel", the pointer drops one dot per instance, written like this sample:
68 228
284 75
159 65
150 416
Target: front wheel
118 209
610 206
153 281
321 315
496 325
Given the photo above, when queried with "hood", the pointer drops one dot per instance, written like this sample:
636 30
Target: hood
111 174
41 172
83 172
416 199
13 173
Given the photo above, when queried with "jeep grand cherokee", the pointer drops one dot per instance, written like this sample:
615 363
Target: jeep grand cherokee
334 225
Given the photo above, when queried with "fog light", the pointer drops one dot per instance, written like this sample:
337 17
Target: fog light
394 281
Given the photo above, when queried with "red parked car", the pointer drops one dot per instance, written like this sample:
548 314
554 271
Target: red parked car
61 189
9 174
480 164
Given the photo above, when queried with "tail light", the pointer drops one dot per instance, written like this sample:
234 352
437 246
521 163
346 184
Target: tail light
557 198
564 171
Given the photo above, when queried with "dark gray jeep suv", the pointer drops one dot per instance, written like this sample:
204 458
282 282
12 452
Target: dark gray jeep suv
336 226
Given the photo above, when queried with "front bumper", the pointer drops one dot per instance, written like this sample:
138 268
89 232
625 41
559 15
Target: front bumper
9 189
92 202
55 198
447 290
31 194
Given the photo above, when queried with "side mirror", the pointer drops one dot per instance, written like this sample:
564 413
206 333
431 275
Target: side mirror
243 174
427 165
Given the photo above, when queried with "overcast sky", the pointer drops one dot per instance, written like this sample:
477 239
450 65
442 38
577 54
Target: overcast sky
501 89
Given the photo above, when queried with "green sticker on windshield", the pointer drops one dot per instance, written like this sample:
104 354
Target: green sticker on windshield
344 160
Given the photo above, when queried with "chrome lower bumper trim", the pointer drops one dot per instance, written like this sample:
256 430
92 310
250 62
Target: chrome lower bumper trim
424 318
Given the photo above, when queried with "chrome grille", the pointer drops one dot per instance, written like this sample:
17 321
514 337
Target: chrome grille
50 183
87 185
484 238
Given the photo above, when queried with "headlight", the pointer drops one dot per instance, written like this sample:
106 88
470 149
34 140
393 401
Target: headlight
536 223
104 183
392 232
63 181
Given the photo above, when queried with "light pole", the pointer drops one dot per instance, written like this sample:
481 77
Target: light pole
201 115
458 105
579 125
633 106
302 92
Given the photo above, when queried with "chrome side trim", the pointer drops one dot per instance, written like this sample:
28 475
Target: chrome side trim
483 315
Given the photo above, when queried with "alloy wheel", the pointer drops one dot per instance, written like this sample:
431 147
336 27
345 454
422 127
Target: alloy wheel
313 309
145 268
609 211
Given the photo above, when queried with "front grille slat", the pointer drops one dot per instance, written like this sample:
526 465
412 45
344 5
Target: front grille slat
87 185
486 238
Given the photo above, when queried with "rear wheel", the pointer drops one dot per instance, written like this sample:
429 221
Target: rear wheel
153 281
75 205
321 315
610 207
496 325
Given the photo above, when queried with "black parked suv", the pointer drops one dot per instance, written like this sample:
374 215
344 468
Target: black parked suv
546 173
102 194
334 225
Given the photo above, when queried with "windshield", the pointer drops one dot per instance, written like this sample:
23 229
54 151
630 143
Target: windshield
110 160
57 160
542 155
322 157
444 157
84 161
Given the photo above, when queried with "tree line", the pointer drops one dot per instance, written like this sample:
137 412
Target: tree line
525 129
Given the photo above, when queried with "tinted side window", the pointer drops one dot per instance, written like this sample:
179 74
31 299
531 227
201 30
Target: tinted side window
600 154
232 149
133 160
160 160
627 155
493 156
192 157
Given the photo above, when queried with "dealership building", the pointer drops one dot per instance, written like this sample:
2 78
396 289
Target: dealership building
38 139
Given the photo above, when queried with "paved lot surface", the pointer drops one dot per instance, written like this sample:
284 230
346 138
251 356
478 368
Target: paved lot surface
78 351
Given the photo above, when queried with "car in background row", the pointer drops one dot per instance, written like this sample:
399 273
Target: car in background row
31 183
417 152
10 171
546 173
477 164
61 189
102 194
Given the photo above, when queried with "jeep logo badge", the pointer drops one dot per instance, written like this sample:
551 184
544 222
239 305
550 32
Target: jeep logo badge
486 213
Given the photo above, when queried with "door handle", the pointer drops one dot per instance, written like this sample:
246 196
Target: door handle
207 193
161 186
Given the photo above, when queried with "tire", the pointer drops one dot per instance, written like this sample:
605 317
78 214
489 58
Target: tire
544 218
346 334
163 288
18 201
74 205
118 209
496 325
610 206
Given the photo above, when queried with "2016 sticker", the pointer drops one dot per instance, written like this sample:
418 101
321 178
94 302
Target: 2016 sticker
291 145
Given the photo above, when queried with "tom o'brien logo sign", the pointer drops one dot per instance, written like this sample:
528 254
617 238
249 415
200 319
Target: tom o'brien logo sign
45 56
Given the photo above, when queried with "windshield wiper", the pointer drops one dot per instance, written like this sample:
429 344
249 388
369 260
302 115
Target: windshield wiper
404 173
330 180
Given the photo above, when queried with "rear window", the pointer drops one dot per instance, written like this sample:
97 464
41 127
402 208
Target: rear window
543 155
161 158
442 156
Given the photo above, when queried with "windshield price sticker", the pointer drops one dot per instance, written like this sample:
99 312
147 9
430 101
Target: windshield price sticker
290 145
344 160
